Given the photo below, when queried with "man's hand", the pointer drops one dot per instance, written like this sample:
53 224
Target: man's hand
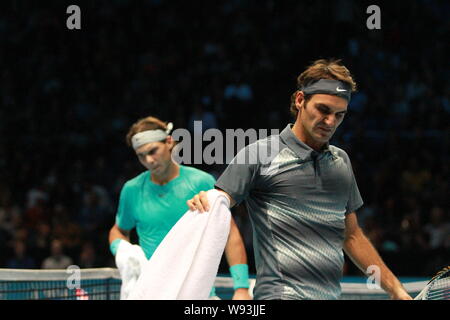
400 294
200 201
241 294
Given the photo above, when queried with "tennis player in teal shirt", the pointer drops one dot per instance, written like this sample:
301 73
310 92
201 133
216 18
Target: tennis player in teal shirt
155 200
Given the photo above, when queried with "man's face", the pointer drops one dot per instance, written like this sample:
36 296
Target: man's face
155 156
321 116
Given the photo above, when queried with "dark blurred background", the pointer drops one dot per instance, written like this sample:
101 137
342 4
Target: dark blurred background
68 98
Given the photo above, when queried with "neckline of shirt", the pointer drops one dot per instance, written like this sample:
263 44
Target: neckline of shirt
162 186
300 148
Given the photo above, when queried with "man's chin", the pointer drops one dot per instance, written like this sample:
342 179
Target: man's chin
323 138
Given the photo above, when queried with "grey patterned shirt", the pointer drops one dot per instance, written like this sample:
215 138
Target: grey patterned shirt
297 200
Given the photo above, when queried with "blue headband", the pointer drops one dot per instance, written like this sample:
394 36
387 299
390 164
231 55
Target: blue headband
327 86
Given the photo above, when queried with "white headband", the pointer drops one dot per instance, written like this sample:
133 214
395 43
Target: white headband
149 136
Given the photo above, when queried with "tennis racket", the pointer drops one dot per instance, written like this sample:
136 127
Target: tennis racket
438 288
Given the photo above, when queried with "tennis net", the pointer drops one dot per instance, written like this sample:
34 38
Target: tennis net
104 284
71 284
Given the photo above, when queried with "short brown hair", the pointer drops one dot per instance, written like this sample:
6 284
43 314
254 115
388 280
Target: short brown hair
322 69
144 124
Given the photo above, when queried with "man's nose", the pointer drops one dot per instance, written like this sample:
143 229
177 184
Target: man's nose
149 159
330 121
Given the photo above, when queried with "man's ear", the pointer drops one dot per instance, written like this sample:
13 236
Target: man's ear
299 100
170 142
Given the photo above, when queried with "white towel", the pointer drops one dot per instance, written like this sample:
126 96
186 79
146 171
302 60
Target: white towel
185 264
130 260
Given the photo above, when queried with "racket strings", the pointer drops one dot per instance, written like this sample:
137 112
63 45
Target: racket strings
439 295
440 290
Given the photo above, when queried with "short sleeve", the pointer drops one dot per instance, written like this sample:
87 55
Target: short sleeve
238 178
124 217
355 200
207 183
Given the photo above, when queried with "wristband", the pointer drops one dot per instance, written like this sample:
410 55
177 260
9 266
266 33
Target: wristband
114 246
239 273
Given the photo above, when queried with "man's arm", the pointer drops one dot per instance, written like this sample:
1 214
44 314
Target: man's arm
237 260
117 233
363 254
115 236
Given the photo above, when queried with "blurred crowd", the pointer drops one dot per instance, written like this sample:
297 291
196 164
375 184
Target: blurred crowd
69 97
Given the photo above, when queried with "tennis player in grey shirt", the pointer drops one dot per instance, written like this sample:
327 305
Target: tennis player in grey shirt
301 195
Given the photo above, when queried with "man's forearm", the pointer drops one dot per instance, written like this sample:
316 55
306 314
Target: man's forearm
235 249
363 254
237 260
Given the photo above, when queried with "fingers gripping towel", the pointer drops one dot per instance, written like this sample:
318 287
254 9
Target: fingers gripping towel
185 264
130 260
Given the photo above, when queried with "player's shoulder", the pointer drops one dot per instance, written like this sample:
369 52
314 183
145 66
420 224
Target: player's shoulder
137 180
338 152
194 174
252 153
268 140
